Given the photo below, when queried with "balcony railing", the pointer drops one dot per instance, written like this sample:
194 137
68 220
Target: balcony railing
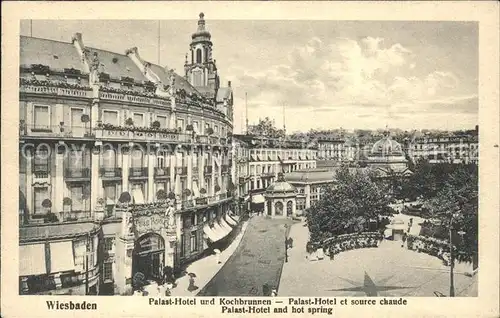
162 172
202 139
51 90
207 169
182 171
55 131
141 172
41 174
77 173
214 140
142 134
194 171
133 98
110 172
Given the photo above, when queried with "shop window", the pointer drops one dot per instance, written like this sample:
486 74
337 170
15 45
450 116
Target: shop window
194 242
69 280
40 283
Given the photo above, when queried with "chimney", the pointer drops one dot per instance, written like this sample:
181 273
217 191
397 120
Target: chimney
228 83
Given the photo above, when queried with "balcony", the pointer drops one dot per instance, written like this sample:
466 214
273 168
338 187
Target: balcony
162 173
41 174
77 174
138 173
55 131
213 140
267 175
223 141
201 201
124 96
194 171
141 134
202 139
32 88
110 173
182 171
207 170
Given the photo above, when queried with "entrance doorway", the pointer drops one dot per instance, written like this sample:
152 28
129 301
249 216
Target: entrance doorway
149 257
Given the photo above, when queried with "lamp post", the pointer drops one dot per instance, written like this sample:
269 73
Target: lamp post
452 258
286 245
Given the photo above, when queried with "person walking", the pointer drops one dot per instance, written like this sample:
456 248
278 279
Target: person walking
403 241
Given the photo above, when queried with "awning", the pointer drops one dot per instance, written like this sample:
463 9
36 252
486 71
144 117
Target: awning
218 230
227 228
32 259
259 198
79 250
196 191
209 233
61 257
231 221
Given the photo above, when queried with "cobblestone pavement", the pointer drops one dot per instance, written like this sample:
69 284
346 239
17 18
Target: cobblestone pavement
388 270
257 261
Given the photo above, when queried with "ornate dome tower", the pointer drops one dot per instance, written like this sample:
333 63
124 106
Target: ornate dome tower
200 69
280 198
387 154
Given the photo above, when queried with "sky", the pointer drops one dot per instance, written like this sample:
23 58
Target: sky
315 74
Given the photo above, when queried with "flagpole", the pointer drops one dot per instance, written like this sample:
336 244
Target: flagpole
159 31
246 110
31 28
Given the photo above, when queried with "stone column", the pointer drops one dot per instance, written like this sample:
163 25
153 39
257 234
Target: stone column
307 192
212 176
29 180
273 209
189 156
151 182
58 189
172 170
96 189
95 119
125 157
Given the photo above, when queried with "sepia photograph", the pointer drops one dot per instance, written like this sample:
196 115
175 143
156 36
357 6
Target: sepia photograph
235 163
144 170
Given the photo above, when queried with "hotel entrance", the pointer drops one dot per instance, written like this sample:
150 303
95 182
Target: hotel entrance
149 257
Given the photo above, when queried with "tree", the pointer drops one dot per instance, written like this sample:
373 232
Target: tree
455 208
265 127
347 206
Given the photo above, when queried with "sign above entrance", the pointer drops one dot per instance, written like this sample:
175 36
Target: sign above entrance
151 223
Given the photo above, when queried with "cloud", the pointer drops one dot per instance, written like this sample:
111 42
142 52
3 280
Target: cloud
368 74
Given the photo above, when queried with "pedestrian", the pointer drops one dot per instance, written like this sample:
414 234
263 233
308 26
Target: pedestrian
192 286
290 242
332 253
404 239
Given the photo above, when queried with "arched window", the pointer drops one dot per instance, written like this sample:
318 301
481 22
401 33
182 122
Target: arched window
137 158
206 54
108 158
278 207
289 208
198 56
148 243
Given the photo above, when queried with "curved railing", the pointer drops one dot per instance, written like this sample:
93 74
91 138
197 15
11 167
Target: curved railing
346 242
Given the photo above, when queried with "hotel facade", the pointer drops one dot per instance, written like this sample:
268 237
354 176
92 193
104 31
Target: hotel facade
125 166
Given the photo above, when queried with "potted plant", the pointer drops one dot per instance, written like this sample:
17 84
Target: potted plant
217 188
155 124
171 196
61 126
125 198
187 192
209 131
47 204
161 195
189 127
129 122
203 191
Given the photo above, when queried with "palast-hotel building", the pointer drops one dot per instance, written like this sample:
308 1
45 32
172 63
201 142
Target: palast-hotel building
124 165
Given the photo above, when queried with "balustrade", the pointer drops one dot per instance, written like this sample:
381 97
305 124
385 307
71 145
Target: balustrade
138 172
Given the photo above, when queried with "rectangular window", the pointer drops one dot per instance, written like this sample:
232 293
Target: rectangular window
76 117
40 194
109 243
194 242
138 119
77 202
110 117
180 124
162 120
41 162
207 125
196 127
197 78
183 245
107 270
193 219
216 129
41 117
110 193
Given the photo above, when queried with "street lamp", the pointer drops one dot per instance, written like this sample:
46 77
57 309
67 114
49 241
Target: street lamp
452 258
286 245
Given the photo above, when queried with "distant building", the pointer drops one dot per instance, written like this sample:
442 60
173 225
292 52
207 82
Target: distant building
450 149
309 185
269 156
280 199
240 172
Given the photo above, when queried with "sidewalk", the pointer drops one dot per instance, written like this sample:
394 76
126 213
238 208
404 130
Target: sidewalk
206 268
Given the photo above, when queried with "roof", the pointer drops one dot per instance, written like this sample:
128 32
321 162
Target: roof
56 230
123 67
180 82
224 93
54 54
281 185
387 147
310 176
